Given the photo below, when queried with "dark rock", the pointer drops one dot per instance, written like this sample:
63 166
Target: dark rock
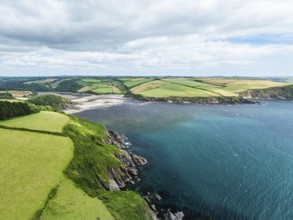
132 171
138 159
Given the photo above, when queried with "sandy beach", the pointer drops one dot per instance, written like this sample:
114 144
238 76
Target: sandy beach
85 102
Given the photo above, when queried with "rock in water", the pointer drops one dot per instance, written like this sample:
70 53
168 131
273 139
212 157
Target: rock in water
138 159
176 216
158 197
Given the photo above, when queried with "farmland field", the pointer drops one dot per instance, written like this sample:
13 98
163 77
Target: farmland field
43 121
32 165
72 203
136 81
176 91
98 86
201 87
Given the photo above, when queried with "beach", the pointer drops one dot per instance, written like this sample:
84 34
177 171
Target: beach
86 102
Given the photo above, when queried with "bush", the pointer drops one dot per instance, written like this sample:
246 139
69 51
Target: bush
13 109
68 86
56 102
6 95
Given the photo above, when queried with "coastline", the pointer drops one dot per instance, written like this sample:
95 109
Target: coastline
126 176
83 101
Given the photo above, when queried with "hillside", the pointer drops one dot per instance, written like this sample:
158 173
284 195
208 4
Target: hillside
57 167
145 87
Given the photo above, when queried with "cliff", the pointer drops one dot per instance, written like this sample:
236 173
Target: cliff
101 168
127 172
277 93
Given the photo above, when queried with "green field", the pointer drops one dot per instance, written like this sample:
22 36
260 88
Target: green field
43 121
32 181
98 86
200 87
32 165
71 202
136 81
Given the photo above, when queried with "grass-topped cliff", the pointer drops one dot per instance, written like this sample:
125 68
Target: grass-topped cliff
56 166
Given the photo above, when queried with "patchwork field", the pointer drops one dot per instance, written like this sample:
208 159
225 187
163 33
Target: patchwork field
31 165
199 87
157 87
43 121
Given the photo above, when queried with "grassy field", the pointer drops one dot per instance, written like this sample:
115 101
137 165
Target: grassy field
98 86
31 165
71 202
48 177
160 89
199 87
43 121
136 81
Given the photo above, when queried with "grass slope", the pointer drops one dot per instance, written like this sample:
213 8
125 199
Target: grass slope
71 202
43 121
125 205
92 161
32 165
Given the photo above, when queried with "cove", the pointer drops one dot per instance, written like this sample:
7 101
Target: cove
226 162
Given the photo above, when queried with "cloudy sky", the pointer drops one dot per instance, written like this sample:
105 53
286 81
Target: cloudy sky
146 37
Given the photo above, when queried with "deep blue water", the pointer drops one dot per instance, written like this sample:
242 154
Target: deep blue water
227 162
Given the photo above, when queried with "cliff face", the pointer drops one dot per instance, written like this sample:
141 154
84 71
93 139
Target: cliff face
282 93
101 168
127 172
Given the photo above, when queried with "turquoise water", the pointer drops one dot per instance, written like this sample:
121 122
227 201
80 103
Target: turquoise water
227 162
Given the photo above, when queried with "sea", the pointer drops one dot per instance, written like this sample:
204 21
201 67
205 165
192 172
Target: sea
219 161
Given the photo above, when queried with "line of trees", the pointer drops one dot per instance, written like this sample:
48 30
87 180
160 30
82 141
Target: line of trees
13 109
56 102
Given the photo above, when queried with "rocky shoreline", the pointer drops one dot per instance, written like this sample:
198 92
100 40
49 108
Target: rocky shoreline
127 173
201 100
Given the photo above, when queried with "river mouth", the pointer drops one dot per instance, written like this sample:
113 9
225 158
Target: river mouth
226 162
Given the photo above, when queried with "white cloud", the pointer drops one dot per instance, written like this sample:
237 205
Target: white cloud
208 36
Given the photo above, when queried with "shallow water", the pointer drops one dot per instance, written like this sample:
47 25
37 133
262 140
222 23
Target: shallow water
227 162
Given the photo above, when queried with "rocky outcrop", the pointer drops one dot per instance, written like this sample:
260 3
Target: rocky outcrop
202 100
275 93
127 172
117 139
138 159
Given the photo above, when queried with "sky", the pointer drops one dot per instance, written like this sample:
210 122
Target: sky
146 37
